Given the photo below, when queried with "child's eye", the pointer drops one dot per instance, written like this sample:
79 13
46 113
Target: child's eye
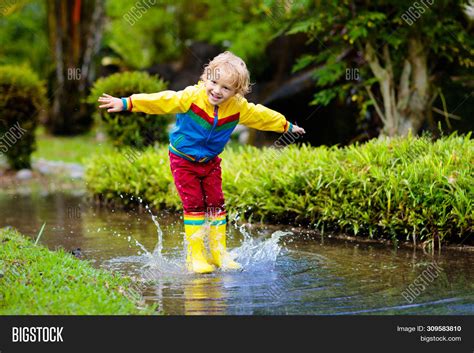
214 82
226 88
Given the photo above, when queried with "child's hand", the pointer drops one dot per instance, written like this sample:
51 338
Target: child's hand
114 104
298 130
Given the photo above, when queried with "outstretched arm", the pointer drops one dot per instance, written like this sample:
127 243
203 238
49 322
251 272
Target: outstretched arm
165 102
260 117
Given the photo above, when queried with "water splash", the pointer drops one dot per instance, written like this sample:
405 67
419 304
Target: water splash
159 247
258 253
254 253
159 265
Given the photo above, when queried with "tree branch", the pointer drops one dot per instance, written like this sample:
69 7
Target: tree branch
404 87
388 61
446 114
377 107
374 62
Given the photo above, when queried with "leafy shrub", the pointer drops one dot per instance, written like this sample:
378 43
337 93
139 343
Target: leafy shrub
22 95
401 188
130 129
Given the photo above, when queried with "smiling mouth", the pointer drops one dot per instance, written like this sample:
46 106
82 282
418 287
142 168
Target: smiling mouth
215 97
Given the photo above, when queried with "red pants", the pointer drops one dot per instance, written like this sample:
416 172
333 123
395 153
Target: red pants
199 184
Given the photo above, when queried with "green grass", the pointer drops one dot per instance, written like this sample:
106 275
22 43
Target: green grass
402 188
73 149
37 281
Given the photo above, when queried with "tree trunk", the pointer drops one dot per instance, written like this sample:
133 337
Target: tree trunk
405 108
75 29
418 105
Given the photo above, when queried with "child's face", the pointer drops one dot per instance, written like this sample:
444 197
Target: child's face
219 89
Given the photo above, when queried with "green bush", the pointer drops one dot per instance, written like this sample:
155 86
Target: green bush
22 95
401 188
130 129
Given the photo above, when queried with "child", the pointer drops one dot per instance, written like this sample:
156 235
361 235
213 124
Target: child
207 113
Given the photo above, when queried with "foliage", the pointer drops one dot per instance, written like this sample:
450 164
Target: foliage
36 281
143 36
130 129
24 36
402 188
344 30
243 30
166 28
22 95
248 27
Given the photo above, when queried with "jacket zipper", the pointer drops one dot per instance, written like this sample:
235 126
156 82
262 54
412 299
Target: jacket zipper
216 109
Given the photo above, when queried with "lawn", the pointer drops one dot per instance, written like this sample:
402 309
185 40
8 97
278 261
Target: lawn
70 149
37 281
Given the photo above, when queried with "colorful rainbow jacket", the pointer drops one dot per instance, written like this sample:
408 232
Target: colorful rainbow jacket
202 129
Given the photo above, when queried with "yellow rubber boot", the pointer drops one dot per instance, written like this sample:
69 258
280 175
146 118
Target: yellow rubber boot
195 232
217 244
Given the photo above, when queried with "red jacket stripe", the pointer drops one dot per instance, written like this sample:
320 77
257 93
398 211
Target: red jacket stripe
228 119
202 113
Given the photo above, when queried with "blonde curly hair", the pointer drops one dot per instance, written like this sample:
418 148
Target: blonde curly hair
232 66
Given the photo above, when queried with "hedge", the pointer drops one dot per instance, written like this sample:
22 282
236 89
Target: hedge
401 188
130 129
22 95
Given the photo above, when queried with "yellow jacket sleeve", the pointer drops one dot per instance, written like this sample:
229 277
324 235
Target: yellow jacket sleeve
165 102
260 117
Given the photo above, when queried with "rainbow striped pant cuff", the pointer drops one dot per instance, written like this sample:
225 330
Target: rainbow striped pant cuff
218 219
194 218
